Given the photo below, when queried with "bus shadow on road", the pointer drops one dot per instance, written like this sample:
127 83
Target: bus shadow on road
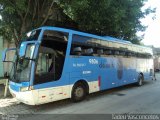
118 90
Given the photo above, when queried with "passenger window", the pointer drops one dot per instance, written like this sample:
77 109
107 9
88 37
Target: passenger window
88 52
51 57
116 52
45 71
108 52
77 51
100 52
83 45
42 65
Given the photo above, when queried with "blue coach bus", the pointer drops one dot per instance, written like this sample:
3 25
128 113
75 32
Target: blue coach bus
53 63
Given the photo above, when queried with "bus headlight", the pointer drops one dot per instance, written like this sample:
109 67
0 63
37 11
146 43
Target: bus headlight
23 89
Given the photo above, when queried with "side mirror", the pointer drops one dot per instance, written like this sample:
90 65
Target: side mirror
5 52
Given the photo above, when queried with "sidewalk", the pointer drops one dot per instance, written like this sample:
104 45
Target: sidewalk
7 101
10 105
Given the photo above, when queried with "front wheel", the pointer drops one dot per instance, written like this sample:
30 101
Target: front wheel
78 92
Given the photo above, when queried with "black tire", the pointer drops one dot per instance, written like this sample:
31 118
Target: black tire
140 80
78 92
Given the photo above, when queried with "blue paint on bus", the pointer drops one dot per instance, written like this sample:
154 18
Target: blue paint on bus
114 71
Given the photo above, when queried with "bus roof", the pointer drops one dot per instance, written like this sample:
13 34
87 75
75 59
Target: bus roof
116 39
107 38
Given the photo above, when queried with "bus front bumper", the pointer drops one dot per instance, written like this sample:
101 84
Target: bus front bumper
24 97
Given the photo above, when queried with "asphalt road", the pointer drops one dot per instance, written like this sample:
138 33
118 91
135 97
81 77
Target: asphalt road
129 99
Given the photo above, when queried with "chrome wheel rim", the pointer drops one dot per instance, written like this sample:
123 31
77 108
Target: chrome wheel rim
79 92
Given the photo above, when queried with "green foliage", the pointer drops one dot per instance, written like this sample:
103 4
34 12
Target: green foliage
118 18
20 16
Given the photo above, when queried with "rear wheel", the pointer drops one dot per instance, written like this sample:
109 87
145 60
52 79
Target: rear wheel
78 92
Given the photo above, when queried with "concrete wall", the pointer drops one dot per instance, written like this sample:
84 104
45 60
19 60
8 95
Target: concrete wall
1 63
9 56
5 67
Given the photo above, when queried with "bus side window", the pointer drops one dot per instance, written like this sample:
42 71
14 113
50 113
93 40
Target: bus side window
44 71
122 53
128 54
100 52
108 52
88 45
116 52
88 52
77 51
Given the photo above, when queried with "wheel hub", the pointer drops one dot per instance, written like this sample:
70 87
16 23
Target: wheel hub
79 92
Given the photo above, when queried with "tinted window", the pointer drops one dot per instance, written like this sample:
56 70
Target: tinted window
51 57
82 45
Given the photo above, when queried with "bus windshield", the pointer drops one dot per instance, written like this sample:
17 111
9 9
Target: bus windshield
22 66
32 35
22 72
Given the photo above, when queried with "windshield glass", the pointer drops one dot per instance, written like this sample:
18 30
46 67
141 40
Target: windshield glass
22 67
30 51
32 35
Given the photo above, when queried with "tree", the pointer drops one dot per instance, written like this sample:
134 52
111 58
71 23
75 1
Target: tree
20 16
118 18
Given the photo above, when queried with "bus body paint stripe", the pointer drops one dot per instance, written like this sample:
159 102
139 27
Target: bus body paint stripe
99 81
